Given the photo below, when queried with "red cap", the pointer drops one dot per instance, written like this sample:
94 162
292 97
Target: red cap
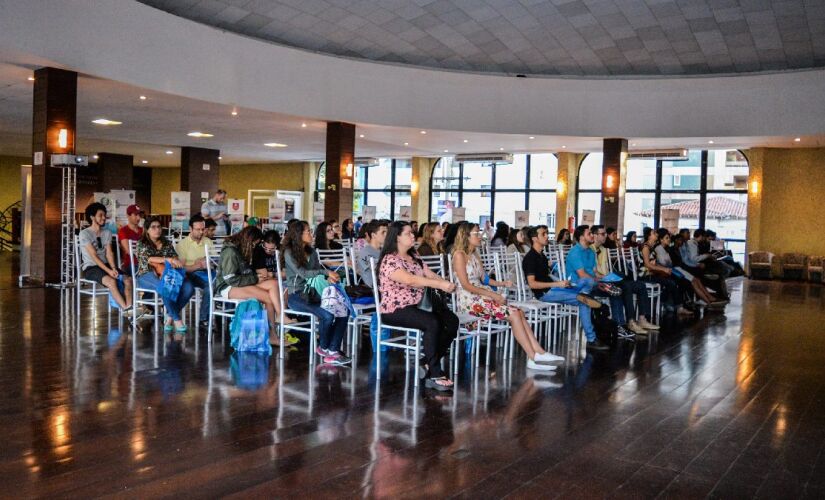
132 209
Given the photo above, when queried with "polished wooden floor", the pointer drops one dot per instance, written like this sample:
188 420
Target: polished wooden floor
729 406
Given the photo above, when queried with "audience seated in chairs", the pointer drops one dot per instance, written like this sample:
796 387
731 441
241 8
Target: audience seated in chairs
236 279
376 232
501 235
476 298
537 271
191 252
402 278
325 237
517 241
680 274
703 264
301 264
98 260
630 240
612 242
624 311
653 272
154 249
563 238
432 239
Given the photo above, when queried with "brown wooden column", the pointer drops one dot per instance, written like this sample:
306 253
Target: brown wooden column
114 171
614 169
199 173
55 108
340 170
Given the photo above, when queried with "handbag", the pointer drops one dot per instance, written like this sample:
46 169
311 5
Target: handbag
358 291
170 282
432 301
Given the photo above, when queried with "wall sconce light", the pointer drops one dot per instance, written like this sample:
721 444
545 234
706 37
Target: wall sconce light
755 187
609 182
561 188
63 138
414 187
349 170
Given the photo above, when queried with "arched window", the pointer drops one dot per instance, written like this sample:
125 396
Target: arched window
496 191
589 188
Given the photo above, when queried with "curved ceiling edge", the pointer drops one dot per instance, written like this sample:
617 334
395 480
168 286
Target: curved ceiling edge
127 41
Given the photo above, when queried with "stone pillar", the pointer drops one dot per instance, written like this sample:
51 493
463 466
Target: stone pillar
199 173
756 165
422 169
310 180
340 170
55 108
114 171
568 177
614 173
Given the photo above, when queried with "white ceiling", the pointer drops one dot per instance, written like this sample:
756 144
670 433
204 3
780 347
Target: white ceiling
160 123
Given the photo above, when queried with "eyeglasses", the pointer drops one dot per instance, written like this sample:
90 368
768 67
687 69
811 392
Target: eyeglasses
475 233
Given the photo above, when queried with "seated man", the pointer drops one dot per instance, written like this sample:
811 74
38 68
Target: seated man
263 257
703 264
210 228
131 231
191 252
629 287
537 271
376 232
97 260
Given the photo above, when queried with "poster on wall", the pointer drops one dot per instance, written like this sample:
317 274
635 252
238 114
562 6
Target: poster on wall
277 210
181 211
459 214
123 198
588 217
670 220
236 208
317 212
368 213
522 218
405 213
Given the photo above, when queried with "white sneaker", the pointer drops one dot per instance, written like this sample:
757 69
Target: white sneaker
547 357
532 365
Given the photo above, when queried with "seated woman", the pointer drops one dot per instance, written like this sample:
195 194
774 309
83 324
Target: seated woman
431 239
301 264
236 278
612 241
347 229
501 235
325 237
153 248
663 276
564 238
402 278
516 242
663 258
630 240
476 298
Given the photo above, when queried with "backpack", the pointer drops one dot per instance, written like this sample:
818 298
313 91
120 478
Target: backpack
606 329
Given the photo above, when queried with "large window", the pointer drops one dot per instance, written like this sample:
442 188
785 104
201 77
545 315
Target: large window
496 191
707 190
384 185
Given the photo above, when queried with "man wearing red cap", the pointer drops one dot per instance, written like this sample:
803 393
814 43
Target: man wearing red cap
131 231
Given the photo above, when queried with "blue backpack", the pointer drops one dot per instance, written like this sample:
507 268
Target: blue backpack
249 330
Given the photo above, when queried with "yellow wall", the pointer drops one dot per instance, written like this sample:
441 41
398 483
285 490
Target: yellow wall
164 181
10 179
789 202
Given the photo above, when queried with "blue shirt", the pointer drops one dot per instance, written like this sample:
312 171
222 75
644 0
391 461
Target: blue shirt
580 258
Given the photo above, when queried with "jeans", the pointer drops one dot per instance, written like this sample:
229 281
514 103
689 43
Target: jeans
331 330
173 308
567 296
199 280
440 328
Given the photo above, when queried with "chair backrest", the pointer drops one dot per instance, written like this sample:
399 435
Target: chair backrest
375 293
335 256
631 261
488 261
556 260
435 263
615 260
77 260
345 243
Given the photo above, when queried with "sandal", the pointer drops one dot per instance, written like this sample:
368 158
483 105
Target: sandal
181 329
442 384
168 328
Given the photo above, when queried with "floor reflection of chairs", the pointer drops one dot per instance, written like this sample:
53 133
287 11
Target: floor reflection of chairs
387 421
302 402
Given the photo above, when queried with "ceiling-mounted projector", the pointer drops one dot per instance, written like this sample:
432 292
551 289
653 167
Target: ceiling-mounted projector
61 161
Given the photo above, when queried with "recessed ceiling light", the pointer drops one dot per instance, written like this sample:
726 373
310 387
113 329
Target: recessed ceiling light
144 161
220 157
531 137
275 145
466 141
501 149
446 150
105 121
423 132
234 112
361 136
25 165
563 147
143 98
710 142
95 157
303 125
169 152
31 78
406 143
199 134
798 139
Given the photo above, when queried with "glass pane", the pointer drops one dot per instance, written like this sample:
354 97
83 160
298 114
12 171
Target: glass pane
380 176
360 175
321 184
641 174
357 202
544 172
682 175
441 204
476 205
506 206
403 174
478 175
401 199
727 214
638 211
446 174
590 201
590 172
542 209
727 170
738 250
512 176
381 201
686 204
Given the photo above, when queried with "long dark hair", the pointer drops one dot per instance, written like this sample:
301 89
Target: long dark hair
391 242
245 241
563 235
145 238
513 239
449 237
321 240
294 243
502 232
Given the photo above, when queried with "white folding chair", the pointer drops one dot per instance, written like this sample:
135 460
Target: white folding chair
435 263
654 290
307 325
363 312
137 300
88 287
218 306
408 339
334 260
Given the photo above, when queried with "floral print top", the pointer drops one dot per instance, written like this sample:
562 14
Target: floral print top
476 305
144 252
395 295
